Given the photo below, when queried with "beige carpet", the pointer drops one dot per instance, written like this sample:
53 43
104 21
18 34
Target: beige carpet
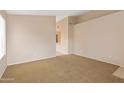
62 69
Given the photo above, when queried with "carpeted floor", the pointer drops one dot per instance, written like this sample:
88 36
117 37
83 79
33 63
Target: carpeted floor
62 69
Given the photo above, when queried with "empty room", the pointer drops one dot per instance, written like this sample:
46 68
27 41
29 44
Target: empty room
61 46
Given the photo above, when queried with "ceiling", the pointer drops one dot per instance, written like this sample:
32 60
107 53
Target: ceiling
60 14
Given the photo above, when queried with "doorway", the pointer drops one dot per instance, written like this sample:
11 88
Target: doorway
58 40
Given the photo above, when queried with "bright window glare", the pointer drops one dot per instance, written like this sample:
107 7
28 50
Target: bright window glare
2 37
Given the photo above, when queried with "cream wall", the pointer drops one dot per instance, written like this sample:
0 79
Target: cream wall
3 62
93 14
30 38
71 21
101 39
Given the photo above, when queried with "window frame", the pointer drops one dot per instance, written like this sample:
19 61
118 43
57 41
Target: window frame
2 37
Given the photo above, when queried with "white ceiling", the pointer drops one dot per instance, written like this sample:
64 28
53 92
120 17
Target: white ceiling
60 14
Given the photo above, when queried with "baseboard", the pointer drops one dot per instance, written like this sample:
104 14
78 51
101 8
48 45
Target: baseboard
119 72
28 61
3 72
3 65
101 60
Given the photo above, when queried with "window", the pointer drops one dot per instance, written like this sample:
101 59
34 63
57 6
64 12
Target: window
2 37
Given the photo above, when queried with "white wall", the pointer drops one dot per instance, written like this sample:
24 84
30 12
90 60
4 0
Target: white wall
101 39
2 37
30 38
3 62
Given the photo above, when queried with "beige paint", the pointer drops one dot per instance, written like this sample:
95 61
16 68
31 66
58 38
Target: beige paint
3 62
101 39
30 38
71 21
93 15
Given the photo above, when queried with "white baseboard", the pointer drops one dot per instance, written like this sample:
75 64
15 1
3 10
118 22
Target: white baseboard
3 70
119 72
3 65
28 61
100 59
